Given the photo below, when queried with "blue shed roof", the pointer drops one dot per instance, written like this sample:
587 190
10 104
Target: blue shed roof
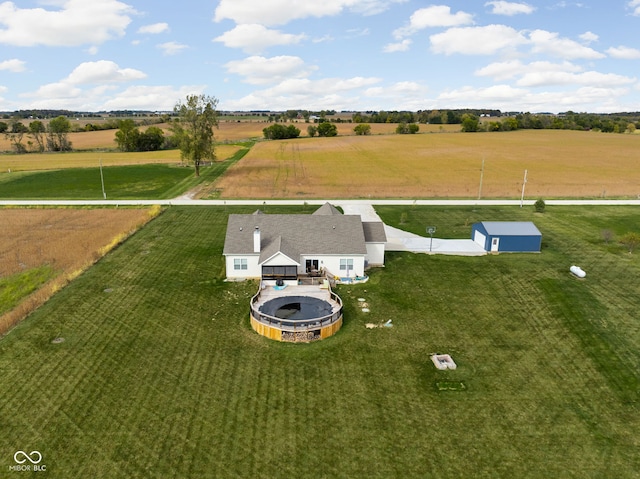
511 228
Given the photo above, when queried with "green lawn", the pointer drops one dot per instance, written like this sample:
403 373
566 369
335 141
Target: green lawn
120 182
160 374
16 287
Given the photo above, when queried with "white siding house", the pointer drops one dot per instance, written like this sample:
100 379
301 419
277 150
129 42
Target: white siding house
272 247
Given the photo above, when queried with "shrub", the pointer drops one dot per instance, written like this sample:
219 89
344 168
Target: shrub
630 240
327 129
362 129
540 205
280 132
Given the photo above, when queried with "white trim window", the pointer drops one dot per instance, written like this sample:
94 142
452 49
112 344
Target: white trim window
346 264
240 264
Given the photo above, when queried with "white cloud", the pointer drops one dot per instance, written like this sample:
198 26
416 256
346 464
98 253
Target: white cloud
322 39
77 22
259 70
14 65
102 71
151 97
431 17
254 38
589 37
372 7
61 96
84 87
501 71
486 40
171 48
334 93
624 53
543 74
500 7
473 97
591 79
154 29
405 95
550 43
635 6
504 97
402 46
358 32
281 12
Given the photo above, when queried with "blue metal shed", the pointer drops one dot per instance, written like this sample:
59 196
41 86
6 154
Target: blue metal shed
507 236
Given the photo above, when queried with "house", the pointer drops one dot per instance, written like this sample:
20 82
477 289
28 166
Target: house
507 236
285 247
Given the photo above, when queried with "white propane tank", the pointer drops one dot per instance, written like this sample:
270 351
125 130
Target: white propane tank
578 271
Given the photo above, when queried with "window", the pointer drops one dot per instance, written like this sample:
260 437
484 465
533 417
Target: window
240 263
279 272
346 264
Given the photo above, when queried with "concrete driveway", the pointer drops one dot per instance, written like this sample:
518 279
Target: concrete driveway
399 240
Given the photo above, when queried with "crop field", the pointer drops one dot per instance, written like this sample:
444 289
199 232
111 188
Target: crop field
122 179
145 365
228 131
43 248
559 164
92 159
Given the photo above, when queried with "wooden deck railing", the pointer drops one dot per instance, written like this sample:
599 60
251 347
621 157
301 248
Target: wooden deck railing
296 324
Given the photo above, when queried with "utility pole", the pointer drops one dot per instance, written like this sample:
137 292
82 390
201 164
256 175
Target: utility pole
481 175
523 185
104 194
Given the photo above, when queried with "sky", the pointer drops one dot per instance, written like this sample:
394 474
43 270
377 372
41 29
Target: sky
353 55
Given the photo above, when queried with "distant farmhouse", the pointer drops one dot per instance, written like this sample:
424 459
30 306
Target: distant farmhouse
507 236
285 247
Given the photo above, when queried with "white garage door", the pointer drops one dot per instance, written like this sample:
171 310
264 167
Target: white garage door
479 238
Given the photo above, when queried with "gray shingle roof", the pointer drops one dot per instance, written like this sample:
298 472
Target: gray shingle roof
374 232
306 234
511 228
327 209
279 245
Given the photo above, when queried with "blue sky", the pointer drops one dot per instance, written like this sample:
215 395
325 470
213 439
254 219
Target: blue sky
537 56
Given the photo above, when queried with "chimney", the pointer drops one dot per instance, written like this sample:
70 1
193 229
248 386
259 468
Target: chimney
256 240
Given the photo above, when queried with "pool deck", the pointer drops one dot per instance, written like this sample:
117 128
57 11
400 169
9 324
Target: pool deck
314 291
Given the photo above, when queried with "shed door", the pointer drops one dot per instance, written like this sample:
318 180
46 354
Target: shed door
495 242
479 238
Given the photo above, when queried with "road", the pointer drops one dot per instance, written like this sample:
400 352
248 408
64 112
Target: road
397 240
372 201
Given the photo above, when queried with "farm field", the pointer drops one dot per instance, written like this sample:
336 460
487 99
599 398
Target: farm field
559 163
122 179
44 248
160 375
228 131
92 159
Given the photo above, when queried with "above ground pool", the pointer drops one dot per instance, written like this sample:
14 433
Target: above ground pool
295 308
296 317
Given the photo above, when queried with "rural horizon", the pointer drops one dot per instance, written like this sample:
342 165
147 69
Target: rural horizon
353 239
141 348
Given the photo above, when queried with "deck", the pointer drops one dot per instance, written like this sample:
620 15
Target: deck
314 291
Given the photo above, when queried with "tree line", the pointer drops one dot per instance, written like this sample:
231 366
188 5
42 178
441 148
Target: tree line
38 137
494 120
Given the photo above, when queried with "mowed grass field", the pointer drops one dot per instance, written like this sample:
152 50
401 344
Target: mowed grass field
160 374
559 164
125 175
